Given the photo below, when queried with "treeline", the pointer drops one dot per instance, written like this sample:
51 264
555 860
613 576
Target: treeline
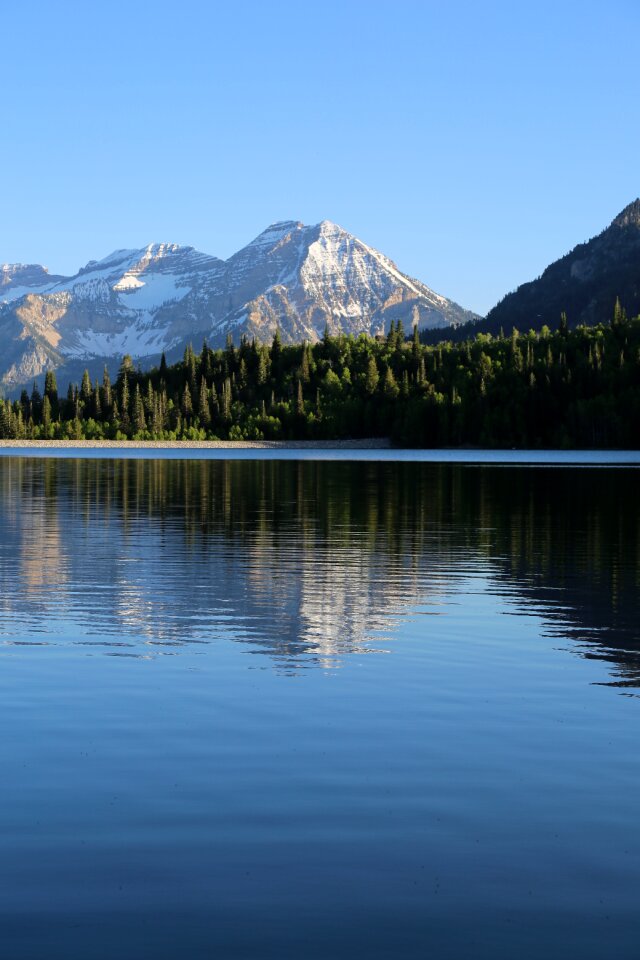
562 388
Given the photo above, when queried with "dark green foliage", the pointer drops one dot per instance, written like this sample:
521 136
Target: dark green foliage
577 388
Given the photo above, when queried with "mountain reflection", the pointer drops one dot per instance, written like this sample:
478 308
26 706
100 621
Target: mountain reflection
308 562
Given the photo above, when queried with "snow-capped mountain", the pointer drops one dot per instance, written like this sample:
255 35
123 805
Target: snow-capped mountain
295 278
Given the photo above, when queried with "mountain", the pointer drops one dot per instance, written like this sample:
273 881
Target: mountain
584 283
295 278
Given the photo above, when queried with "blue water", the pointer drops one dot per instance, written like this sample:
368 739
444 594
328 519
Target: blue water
265 709
129 451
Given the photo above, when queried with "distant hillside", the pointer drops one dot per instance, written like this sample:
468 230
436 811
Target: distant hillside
584 284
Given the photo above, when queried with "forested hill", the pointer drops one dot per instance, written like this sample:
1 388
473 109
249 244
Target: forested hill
584 283
566 388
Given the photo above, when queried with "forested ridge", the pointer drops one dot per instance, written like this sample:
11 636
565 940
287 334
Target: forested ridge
561 388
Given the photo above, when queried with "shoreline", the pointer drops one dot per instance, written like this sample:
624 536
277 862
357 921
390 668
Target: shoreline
371 444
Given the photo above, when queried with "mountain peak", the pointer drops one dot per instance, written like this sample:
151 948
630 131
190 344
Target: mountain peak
630 216
155 251
11 271
276 232
328 228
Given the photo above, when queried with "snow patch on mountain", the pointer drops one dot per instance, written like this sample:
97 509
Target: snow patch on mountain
135 340
151 293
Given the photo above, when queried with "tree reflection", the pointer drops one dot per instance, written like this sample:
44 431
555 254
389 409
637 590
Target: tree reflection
310 561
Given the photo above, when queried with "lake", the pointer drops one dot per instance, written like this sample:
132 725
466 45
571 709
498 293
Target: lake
266 708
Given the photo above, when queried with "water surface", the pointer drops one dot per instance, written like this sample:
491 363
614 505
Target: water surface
276 709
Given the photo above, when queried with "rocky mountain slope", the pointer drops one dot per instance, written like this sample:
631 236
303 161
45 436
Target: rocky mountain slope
584 283
295 278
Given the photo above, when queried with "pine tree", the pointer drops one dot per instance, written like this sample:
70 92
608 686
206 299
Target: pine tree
156 416
262 368
124 399
276 352
226 399
305 371
139 421
46 415
390 387
126 368
106 390
36 403
371 383
51 391
25 403
618 314
187 402
86 389
204 414
205 361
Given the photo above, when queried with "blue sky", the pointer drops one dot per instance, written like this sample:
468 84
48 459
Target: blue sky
472 143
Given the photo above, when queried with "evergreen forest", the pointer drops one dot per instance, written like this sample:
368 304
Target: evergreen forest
557 389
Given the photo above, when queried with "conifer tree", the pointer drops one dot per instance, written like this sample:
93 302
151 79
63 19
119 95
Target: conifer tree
126 368
139 421
86 390
262 368
618 314
276 352
106 390
36 403
124 399
372 376
390 387
204 414
51 391
226 399
46 415
25 404
305 369
187 403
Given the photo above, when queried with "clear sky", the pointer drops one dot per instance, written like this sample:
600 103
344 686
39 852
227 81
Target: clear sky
471 142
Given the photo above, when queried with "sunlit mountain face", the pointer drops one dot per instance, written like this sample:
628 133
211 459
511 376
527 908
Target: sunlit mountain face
306 564
292 278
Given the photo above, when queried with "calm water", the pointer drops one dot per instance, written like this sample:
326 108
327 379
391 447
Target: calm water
262 709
